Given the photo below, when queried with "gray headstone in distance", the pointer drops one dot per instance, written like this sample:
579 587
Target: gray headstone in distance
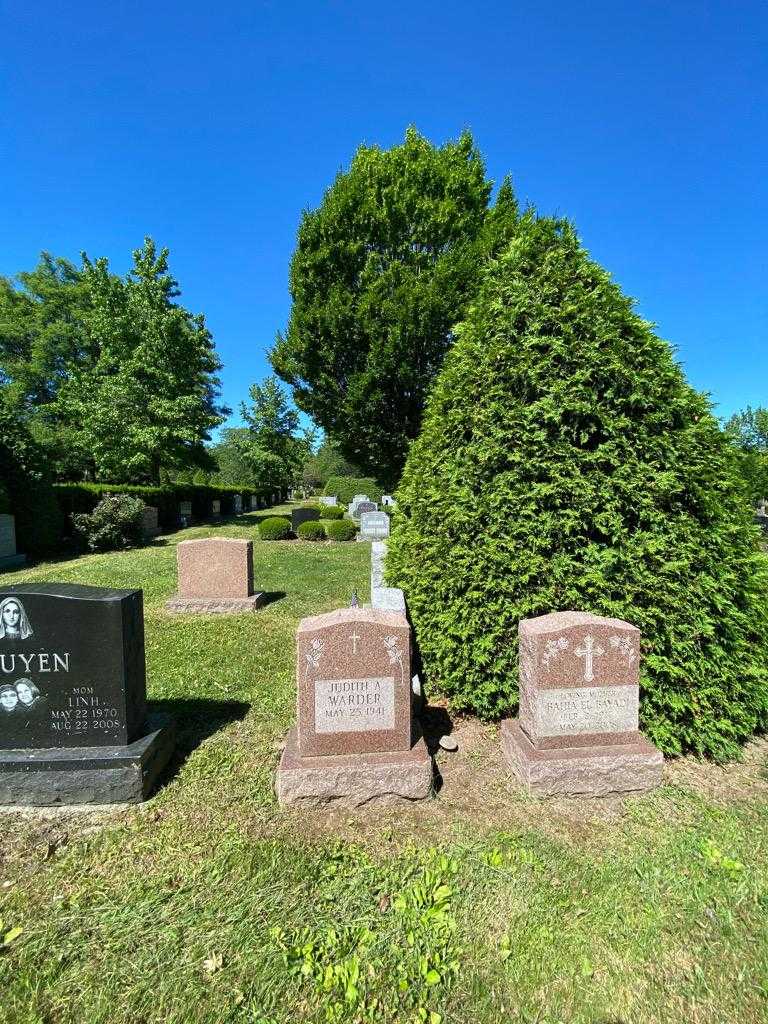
374 525
303 515
9 557
74 726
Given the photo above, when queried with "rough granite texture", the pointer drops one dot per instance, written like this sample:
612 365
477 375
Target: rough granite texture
378 557
353 780
581 652
88 775
582 771
215 605
367 653
215 567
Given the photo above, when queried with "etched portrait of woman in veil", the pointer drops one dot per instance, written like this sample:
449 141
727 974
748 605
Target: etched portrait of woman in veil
14 624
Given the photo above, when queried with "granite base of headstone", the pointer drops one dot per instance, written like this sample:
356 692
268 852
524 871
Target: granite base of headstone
578 732
303 515
215 576
355 742
9 556
74 727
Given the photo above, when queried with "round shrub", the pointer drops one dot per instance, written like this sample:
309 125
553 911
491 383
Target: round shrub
565 463
313 529
331 512
116 522
340 529
275 528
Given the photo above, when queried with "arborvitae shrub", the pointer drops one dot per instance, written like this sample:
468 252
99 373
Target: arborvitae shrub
340 529
346 487
275 528
565 462
313 529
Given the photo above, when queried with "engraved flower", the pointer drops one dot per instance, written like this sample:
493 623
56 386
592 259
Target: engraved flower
624 644
552 648
394 652
315 653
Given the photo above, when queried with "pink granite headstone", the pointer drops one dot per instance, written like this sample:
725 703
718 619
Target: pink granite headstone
579 680
353 671
215 574
578 729
354 742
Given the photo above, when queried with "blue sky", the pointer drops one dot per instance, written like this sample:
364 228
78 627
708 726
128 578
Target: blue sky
212 126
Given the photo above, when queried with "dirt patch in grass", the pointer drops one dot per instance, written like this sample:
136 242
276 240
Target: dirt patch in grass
478 794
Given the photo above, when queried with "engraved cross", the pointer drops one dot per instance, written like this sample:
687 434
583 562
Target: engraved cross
354 638
589 651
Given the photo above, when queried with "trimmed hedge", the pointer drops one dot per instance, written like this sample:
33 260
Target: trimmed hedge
275 528
74 498
29 493
346 487
340 529
5 500
564 462
313 529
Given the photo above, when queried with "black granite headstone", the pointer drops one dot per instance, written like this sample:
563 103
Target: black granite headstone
303 515
73 681
365 506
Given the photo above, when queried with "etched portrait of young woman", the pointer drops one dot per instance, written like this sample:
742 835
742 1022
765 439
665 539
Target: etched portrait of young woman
9 699
27 692
14 624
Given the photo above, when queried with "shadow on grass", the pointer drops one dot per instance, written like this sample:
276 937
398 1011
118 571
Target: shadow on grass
270 596
195 719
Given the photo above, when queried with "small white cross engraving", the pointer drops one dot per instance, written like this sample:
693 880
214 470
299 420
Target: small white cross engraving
354 638
588 652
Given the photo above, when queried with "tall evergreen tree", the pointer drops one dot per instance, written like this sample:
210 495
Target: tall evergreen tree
565 462
382 271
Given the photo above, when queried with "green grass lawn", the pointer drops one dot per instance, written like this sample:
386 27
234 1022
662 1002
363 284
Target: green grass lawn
209 903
